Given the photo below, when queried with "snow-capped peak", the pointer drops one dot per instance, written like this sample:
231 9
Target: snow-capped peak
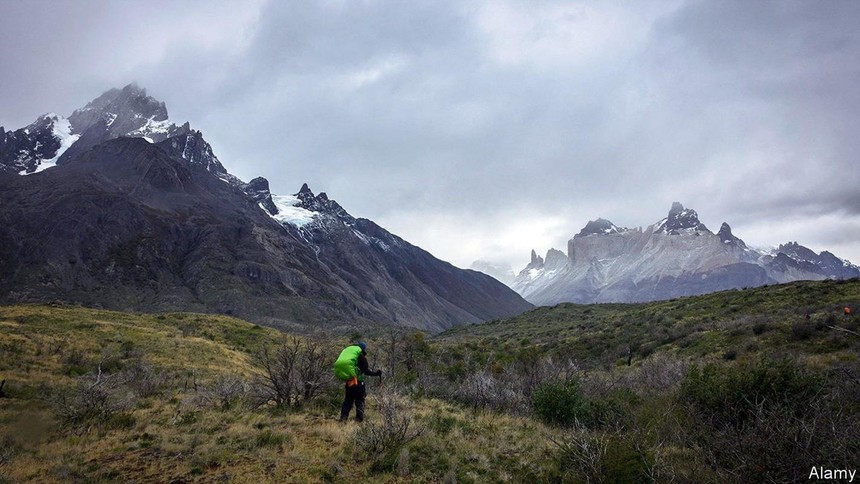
680 220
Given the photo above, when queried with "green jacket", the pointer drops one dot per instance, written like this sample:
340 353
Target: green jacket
346 366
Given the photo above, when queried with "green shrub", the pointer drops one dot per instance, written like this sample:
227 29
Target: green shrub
769 421
647 349
731 393
75 363
622 462
561 403
614 410
802 331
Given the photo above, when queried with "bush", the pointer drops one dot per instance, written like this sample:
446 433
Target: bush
656 375
730 394
224 393
292 374
613 410
623 462
144 379
561 403
647 349
580 453
760 328
96 399
769 421
802 331
75 363
384 438
590 457
483 390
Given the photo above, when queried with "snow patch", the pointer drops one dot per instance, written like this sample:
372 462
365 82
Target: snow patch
62 131
152 129
289 212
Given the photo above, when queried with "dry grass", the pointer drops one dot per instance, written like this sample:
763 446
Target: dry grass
175 435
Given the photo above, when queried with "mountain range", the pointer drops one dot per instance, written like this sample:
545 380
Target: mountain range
117 207
676 256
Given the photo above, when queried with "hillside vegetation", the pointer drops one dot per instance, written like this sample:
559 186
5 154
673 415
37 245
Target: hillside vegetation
738 386
770 319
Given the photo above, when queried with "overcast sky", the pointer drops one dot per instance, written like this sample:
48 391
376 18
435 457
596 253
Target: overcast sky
486 129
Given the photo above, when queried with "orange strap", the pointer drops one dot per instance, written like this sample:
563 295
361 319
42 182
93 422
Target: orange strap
353 382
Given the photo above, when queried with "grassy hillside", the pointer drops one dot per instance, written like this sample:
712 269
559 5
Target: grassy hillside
192 414
738 386
724 324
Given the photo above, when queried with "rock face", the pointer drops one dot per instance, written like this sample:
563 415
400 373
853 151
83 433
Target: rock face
726 237
598 227
258 190
148 219
35 147
676 256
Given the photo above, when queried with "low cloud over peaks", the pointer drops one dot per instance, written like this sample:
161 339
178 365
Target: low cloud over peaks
483 130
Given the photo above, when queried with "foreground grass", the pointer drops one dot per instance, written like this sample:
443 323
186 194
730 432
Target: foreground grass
174 435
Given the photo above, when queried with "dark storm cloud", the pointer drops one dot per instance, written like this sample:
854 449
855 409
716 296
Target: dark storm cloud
483 129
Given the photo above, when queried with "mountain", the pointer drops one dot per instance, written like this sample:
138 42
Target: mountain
676 256
54 139
501 272
144 217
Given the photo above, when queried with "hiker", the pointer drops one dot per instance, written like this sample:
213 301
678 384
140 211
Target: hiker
351 367
847 310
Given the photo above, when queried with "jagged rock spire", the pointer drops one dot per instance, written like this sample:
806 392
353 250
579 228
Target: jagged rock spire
679 219
726 236
258 190
321 203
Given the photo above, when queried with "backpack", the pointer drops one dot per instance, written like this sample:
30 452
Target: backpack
346 366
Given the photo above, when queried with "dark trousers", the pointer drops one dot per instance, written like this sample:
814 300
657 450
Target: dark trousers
354 395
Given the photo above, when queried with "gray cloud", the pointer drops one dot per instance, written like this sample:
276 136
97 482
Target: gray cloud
485 129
